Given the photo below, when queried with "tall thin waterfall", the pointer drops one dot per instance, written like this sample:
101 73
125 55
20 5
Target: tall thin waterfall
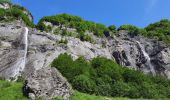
21 62
147 58
25 46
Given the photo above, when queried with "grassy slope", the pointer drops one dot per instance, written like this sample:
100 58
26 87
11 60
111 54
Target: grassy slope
11 91
83 96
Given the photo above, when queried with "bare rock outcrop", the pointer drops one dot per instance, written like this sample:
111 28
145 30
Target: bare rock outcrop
148 55
47 83
42 49
5 5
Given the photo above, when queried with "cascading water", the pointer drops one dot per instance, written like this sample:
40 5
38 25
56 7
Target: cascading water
20 63
147 58
25 46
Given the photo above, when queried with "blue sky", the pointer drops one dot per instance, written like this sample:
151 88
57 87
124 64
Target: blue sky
117 12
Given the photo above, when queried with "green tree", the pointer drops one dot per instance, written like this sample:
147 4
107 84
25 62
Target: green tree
112 28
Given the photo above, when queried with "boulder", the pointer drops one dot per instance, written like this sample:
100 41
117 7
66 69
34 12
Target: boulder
47 83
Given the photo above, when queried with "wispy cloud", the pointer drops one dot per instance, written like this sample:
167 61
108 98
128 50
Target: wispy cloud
151 4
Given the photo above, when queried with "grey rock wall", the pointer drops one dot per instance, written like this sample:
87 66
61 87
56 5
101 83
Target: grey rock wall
140 53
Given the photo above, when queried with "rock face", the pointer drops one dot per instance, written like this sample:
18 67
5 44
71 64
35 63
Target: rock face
41 50
28 14
47 83
29 52
4 5
147 55
13 51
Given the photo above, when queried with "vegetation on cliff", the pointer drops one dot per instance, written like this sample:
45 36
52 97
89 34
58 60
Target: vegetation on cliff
158 30
104 77
15 12
70 21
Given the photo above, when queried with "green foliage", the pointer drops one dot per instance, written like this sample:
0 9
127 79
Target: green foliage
85 37
11 91
102 76
112 28
120 89
82 96
159 30
5 1
65 61
84 83
64 32
76 22
107 67
48 28
63 41
2 14
132 30
15 12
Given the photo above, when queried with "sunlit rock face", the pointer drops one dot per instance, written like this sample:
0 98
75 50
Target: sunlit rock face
13 45
27 52
4 5
140 53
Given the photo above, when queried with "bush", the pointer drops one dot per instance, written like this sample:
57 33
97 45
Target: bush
104 66
159 30
63 41
112 28
102 76
103 86
134 76
132 30
148 90
15 13
69 21
65 64
2 14
120 89
84 83
64 32
85 37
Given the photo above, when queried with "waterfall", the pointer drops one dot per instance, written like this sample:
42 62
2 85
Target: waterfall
147 58
19 66
26 44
